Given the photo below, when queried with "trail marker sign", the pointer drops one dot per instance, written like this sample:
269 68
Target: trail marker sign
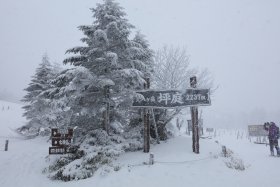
172 98
200 124
61 141
209 129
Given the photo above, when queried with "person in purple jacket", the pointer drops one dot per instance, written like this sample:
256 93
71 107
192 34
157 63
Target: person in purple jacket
273 136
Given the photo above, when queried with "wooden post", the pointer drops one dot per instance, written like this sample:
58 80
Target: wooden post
155 125
194 115
146 122
6 145
151 159
224 151
188 129
237 135
106 113
108 116
177 123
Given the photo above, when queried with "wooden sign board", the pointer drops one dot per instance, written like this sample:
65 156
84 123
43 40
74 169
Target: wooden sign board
209 129
57 150
58 133
61 141
189 125
200 124
61 150
257 130
172 98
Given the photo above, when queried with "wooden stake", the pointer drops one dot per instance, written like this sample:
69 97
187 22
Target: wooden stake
6 145
106 113
194 115
155 125
151 159
224 151
146 122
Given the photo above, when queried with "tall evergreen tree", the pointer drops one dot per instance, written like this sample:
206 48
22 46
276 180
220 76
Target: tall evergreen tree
36 103
99 90
117 61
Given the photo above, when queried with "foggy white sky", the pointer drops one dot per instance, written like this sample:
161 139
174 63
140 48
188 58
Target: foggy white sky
237 40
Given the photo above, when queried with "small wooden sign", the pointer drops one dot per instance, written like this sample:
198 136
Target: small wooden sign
209 129
54 133
200 124
58 133
61 141
57 150
257 130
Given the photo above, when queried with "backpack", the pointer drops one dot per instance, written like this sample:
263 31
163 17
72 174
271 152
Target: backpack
273 132
277 132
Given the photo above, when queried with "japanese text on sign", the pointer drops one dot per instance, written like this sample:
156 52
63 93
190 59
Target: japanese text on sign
61 140
172 98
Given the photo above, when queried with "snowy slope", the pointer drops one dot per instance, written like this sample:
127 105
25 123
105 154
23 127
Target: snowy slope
175 165
10 118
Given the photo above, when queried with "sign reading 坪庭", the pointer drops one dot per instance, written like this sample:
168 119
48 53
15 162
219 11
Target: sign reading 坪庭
172 98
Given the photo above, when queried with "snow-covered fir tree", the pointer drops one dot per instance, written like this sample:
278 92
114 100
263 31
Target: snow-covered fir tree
118 63
37 107
96 94
70 97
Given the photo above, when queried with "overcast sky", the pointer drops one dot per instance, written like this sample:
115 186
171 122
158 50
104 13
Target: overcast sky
237 40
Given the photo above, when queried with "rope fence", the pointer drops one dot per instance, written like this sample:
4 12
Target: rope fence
152 162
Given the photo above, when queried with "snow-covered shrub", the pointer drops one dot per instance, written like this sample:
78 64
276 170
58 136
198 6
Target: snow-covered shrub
232 161
235 163
97 150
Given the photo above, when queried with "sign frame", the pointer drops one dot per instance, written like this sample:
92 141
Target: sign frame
209 129
257 131
61 140
185 97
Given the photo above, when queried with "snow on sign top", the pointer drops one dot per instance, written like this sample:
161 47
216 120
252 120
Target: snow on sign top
172 98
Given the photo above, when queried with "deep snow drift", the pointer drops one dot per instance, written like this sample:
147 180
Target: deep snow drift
175 164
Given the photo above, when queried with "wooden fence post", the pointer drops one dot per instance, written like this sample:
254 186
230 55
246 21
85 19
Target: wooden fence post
224 151
6 145
151 159
146 122
106 113
194 115
155 125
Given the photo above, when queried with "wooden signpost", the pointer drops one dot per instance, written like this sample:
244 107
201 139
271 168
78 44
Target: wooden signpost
146 120
259 132
171 99
6 145
194 115
61 141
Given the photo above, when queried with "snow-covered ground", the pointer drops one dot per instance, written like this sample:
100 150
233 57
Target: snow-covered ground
175 164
